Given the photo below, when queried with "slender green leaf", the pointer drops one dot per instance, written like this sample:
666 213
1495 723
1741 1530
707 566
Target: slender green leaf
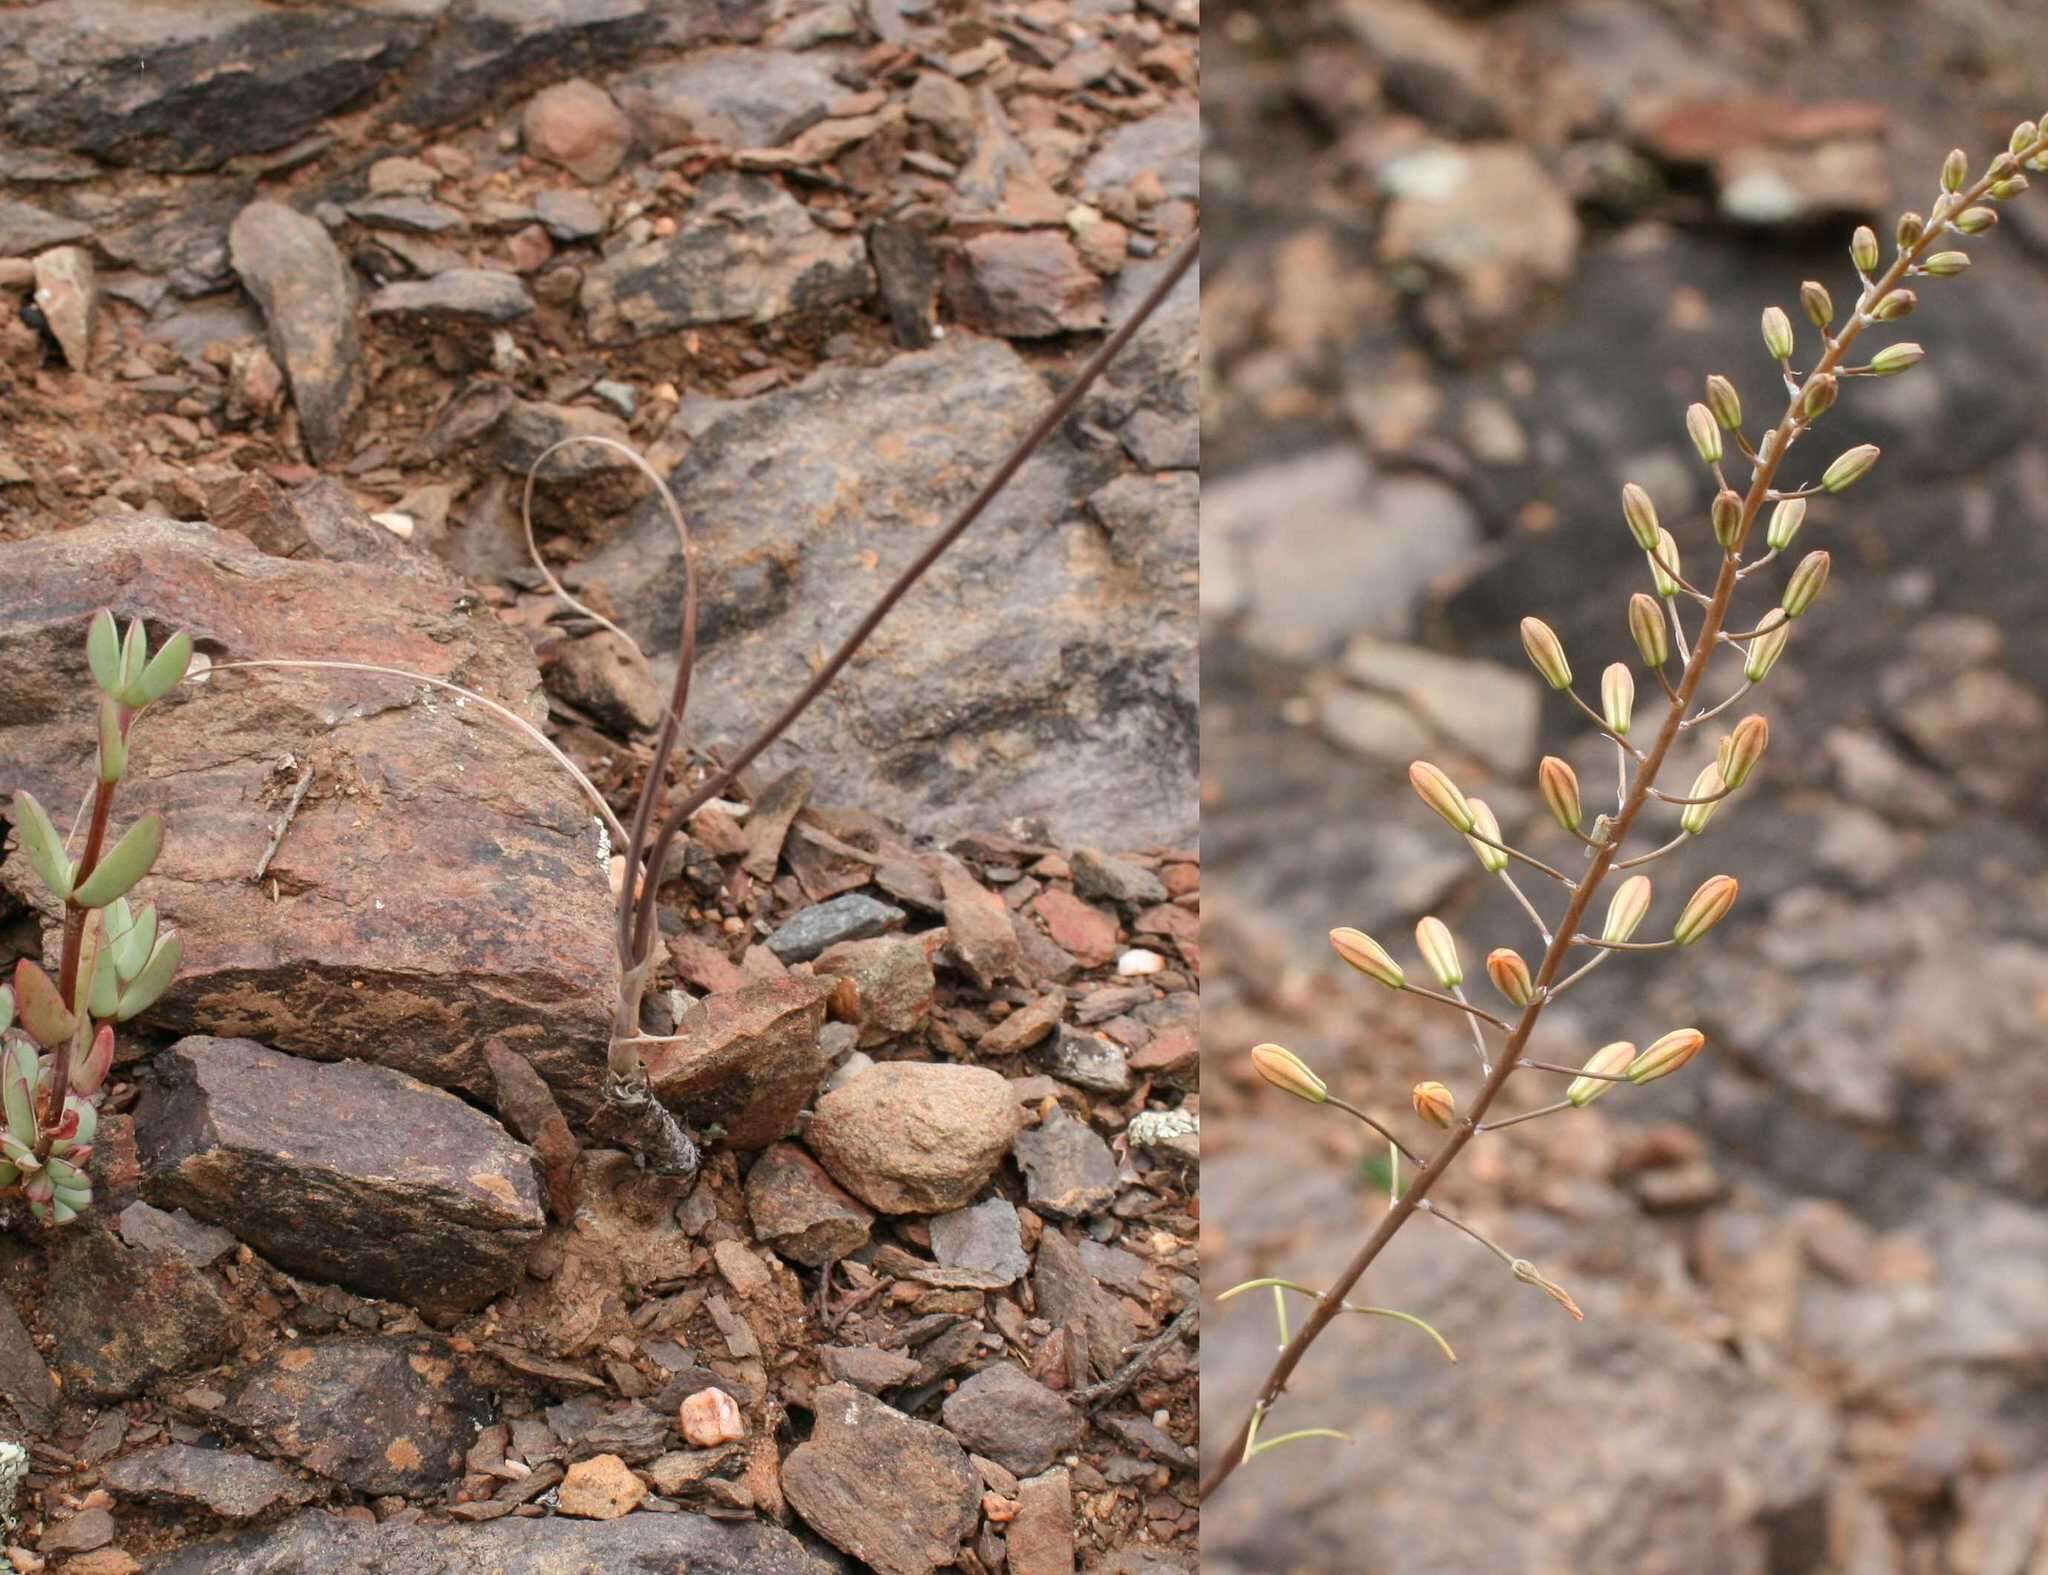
134 655
9 1174
103 651
113 743
41 1005
123 865
1265 1444
1407 1318
39 840
136 943
154 979
17 1079
167 668
106 985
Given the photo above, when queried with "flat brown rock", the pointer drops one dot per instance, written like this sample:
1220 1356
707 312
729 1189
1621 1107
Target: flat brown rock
896 1493
746 1062
912 1137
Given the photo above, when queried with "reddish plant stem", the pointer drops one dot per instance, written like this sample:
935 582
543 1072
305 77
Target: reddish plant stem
1331 1302
67 970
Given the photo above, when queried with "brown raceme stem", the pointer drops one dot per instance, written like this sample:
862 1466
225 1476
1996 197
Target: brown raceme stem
1330 1305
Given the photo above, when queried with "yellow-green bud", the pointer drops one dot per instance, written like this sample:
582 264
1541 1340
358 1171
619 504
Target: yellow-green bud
1435 1104
1863 248
1617 697
1975 221
1894 359
1726 515
1724 402
1491 859
1777 333
1546 653
1611 1061
1705 908
1559 785
1663 579
1706 791
1805 584
1641 515
1286 1071
1440 950
1955 169
1819 395
1946 265
1899 304
1765 649
1820 306
2022 138
1626 909
2009 188
1646 628
1741 748
1705 433
1667 1055
1370 958
1786 519
1510 975
1911 228
1849 468
1441 794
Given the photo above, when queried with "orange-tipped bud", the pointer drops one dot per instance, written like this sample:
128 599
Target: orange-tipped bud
1367 956
1726 515
1705 433
1820 306
1805 584
1738 752
1724 403
1441 794
1626 908
1665 566
1559 785
1491 859
1510 975
1706 786
1546 653
1641 514
1646 628
1612 1060
1667 1055
1435 1104
1439 949
1618 697
1706 908
1287 1071
1820 395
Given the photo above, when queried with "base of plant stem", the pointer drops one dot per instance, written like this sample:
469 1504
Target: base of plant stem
633 1118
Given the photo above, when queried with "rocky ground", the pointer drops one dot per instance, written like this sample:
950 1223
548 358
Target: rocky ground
288 314
1468 263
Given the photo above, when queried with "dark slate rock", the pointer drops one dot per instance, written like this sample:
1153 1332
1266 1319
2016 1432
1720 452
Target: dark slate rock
1009 1416
345 1172
1068 1170
125 1316
414 215
223 1482
472 295
290 264
25 228
800 1211
986 1236
853 917
895 1493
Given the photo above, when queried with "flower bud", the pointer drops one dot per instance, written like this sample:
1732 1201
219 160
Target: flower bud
1786 519
1491 859
1705 908
2009 188
1849 467
1726 515
1435 1104
1946 265
1546 653
1641 515
1894 359
1724 402
1286 1071
1955 169
1667 1055
1863 248
1741 749
1777 333
1664 565
1975 221
1559 785
1820 306
1440 950
1626 909
1805 584
2021 139
1510 975
1611 1061
1646 627
1706 790
1819 395
1370 958
1617 697
1705 433
1898 304
1441 794
1911 228
1766 648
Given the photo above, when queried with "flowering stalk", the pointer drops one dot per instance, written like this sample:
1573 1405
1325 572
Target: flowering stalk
1956 211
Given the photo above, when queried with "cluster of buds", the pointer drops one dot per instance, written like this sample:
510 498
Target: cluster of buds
57 1035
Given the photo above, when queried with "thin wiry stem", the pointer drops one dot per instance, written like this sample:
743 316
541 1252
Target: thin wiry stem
1478 1033
1620 776
1678 641
1654 854
1527 1115
1374 1122
1710 798
1714 711
1748 569
1528 907
1626 946
1517 854
1457 1002
1529 1065
1600 722
1600 955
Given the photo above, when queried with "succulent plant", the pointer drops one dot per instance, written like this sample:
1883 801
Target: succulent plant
57 1035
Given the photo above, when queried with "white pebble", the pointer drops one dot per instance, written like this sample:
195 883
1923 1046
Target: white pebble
1139 961
400 525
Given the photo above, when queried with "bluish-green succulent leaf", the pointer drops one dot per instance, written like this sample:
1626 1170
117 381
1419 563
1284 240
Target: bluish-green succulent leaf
39 840
153 980
103 652
166 669
123 865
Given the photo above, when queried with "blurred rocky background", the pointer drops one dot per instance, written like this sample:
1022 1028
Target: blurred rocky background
1468 263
